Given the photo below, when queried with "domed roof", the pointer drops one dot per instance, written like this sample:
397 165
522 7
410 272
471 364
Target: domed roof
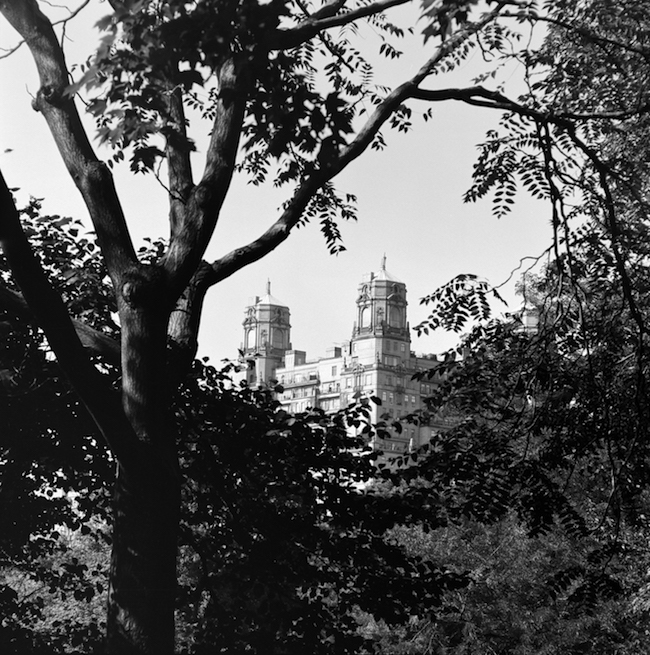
268 299
384 274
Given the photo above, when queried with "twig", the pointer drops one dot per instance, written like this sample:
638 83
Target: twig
62 21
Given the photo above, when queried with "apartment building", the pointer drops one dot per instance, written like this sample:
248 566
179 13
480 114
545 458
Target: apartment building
376 361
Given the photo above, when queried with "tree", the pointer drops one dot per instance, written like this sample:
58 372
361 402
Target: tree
551 435
282 541
259 64
275 76
287 529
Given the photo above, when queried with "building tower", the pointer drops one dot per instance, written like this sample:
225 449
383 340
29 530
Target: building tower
376 362
267 334
381 331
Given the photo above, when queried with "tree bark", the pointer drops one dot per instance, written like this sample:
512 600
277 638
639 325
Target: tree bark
142 585
142 590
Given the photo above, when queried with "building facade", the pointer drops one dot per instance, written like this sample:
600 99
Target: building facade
376 361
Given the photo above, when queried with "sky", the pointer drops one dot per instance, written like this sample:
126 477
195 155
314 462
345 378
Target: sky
410 208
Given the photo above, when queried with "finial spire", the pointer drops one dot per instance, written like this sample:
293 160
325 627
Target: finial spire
383 262
268 287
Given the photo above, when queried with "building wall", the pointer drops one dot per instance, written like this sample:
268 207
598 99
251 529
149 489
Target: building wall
376 361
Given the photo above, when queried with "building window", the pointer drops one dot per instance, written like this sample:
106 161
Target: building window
391 397
365 317
333 371
403 347
250 339
383 396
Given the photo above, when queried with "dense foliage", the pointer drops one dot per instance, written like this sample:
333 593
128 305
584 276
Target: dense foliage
552 442
522 529
54 503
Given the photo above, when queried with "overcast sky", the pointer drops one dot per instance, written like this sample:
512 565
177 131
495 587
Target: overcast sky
409 206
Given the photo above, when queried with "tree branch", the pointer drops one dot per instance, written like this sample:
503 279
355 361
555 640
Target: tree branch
582 31
479 96
91 176
92 339
178 162
63 21
52 316
201 212
323 19
183 326
280 230
328 9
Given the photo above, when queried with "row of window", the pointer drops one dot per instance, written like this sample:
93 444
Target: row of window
300 392
299 377
330 404
393 398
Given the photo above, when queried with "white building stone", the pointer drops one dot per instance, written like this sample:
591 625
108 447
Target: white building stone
376 361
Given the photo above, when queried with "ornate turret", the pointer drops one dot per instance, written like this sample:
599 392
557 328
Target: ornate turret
267 334
381 325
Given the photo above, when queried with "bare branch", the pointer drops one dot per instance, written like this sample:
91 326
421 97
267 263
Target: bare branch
7 52
479 96
535 259
62 21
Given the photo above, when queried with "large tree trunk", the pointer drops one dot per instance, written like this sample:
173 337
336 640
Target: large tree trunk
143 564
142 586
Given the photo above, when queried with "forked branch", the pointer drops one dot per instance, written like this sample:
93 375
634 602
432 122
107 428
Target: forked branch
192 234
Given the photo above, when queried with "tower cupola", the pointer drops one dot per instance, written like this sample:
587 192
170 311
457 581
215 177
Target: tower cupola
381 325
267 334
